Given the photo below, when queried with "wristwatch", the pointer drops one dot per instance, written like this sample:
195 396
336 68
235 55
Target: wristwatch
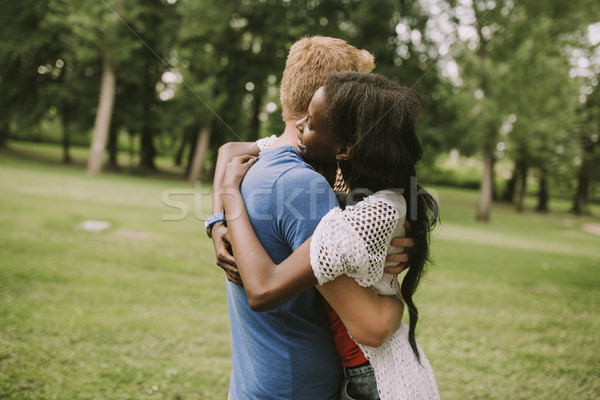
213 219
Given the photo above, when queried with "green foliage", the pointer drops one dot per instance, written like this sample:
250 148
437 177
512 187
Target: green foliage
24 49
186 64
516 90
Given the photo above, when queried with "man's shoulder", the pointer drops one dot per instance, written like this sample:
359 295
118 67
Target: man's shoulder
285 165
302 174
277 161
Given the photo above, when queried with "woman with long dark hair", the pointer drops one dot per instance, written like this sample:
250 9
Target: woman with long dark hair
367 125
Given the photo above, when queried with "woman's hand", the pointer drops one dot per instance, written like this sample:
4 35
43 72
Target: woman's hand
236 170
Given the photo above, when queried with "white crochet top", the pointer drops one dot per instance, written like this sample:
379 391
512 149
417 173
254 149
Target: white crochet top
354 242
265 143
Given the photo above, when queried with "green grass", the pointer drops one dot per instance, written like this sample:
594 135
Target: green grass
110 314
138 311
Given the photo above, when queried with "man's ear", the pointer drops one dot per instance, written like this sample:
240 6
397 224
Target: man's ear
345 152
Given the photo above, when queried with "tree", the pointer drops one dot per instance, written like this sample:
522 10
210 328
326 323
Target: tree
106 36
104 114
24 57
477 88
514 70
588 135
243 48
97 27
201 55
544 110
154 26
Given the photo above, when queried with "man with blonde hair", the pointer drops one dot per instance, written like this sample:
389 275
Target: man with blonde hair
310 61
286 352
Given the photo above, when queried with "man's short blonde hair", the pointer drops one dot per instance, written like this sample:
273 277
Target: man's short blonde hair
310 61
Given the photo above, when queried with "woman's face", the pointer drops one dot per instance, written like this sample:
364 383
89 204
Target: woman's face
314 141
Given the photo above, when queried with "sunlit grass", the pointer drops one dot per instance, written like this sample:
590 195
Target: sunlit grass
508 311
109 314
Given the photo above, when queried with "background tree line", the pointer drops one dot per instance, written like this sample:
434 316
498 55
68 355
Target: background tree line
505 80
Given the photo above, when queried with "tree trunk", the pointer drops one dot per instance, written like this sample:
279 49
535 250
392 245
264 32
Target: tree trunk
179 155
193 139
487 179
543 195
103 117
495 196
66 139
113 147
4 132
66 145
583 177
485 187
200 153
523 189
131 148
509 193
147 149
581 194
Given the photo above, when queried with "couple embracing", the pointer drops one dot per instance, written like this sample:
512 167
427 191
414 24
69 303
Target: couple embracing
314 301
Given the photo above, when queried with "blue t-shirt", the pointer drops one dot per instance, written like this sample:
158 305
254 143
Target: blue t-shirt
288 352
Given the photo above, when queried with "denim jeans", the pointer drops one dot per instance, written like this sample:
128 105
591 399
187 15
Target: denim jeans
359 383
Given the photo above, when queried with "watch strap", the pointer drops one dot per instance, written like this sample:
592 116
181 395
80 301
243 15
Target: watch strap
213 219
216 217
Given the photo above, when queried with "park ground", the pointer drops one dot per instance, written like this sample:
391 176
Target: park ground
134 307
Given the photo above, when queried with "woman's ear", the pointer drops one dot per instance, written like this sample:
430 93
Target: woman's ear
345 152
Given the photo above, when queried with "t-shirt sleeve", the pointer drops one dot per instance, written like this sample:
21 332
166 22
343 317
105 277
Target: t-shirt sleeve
302 198
354 241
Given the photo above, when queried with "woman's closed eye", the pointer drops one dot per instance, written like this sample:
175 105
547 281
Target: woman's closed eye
309 122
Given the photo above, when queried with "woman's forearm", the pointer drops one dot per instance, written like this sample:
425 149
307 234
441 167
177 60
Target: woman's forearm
226 153
267 285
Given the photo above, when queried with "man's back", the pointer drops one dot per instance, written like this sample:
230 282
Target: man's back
288 352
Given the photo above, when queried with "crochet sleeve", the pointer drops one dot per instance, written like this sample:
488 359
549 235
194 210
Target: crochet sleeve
265 143
354 241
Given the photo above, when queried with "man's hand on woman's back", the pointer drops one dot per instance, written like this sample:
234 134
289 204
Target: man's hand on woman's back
225 260
400 258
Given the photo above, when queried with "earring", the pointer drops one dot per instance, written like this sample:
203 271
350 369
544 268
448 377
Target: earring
340 184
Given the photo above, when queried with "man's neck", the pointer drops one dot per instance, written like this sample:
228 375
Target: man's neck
289 135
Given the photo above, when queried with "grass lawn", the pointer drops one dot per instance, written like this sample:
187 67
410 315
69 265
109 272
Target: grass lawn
138 310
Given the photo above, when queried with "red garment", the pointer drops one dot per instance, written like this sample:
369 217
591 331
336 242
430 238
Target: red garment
350 353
